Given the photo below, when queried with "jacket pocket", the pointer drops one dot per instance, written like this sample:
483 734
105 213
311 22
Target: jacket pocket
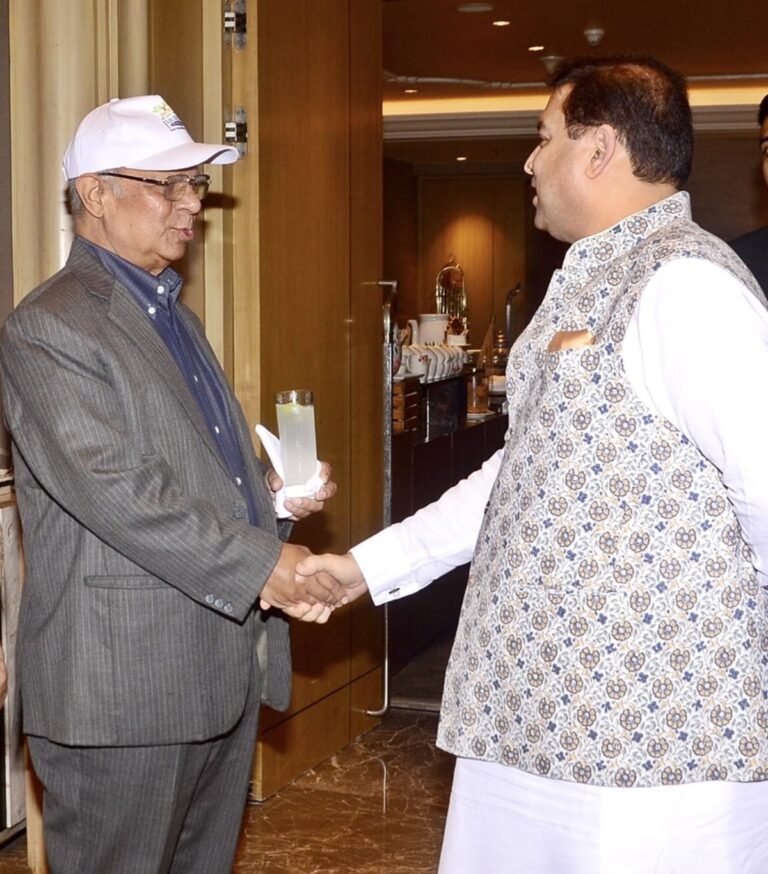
136 581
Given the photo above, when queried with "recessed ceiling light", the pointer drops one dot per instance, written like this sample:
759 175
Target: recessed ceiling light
501 23
535 48
551 61
475 7
411 90
461 158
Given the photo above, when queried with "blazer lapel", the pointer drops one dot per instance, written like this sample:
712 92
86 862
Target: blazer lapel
126 314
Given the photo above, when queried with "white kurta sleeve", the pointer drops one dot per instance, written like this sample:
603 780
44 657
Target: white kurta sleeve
409 555
696 351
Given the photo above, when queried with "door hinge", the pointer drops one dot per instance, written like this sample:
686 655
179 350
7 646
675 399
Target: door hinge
235 23
236 130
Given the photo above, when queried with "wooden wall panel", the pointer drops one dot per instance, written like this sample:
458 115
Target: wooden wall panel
508 253
401 234
295 745
365 311
480 219
362 691
304 204
728 193
317 145
321 664
178 77
456 217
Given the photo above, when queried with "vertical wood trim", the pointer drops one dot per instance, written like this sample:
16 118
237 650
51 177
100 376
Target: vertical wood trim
36 857
366 447
242 226
365 246
217 280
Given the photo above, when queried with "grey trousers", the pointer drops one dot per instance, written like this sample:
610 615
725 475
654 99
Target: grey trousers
173 809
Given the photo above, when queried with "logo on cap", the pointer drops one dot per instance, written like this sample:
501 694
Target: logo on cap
168 116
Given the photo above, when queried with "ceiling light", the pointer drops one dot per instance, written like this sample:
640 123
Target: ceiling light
411 90
535 48
551 62
501 23
475 7
461 158
594 35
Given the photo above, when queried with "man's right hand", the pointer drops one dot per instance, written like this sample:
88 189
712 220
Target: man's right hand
343 568
287 590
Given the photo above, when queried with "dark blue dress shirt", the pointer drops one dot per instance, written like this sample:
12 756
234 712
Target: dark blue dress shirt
157 296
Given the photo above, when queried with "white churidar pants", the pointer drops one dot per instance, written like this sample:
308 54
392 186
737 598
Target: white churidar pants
505 821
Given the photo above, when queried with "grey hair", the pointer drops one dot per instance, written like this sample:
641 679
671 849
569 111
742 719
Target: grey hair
73 197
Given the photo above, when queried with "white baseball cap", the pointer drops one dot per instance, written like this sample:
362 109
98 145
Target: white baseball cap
142 133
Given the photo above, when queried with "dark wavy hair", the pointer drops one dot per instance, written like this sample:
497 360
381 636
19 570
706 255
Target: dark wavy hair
645 102
762 113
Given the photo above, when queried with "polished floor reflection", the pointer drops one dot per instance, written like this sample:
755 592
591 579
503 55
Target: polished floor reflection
377 807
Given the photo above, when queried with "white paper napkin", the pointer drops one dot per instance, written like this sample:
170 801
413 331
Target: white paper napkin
310 488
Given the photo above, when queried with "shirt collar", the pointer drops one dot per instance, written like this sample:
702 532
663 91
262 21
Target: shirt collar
143 285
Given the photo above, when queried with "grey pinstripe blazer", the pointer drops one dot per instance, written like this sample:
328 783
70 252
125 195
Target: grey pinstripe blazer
138 623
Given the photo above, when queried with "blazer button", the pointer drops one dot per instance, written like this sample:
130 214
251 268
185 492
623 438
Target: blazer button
209 599
239 512
218 603
228 608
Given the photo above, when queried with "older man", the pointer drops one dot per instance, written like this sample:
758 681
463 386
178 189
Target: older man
606 695
752 247
149 529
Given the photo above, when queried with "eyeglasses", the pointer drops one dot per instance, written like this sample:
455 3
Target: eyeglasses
174 187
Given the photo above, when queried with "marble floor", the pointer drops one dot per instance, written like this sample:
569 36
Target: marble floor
376 807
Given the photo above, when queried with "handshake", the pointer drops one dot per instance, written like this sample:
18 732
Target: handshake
306 586
310 587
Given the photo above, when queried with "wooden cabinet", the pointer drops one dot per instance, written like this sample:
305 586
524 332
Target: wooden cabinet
421 472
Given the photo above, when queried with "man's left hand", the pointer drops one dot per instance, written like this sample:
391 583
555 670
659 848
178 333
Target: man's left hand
300 508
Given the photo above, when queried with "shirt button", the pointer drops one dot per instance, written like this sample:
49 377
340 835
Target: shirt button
395 591
218 603
161 289
217 429
238 480
194 378
209 599
152 310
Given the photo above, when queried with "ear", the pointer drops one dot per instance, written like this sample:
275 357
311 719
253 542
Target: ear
605 143
91 189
